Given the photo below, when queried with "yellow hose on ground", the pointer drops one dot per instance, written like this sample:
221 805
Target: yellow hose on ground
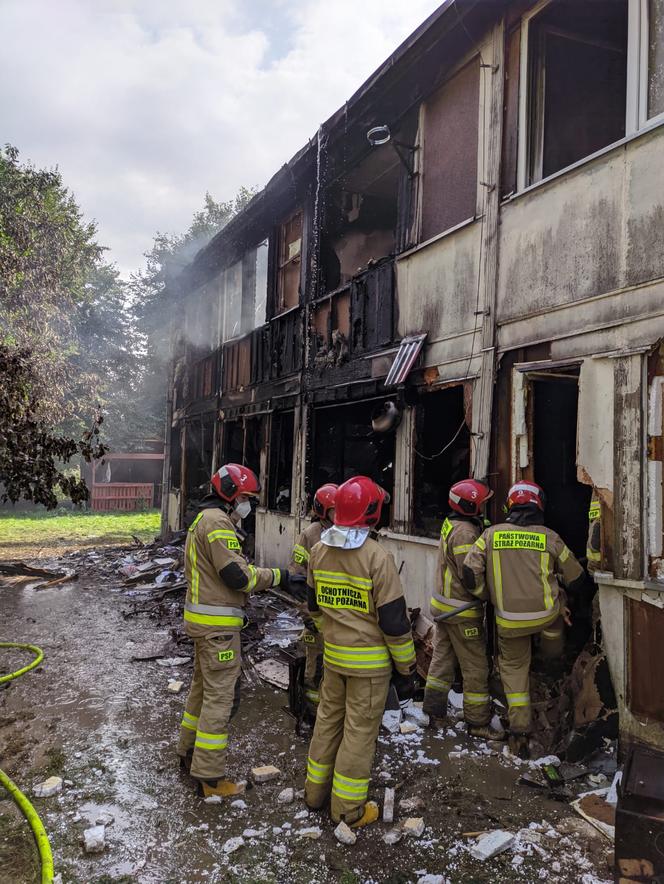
28 811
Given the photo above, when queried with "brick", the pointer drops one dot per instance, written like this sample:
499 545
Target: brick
265 774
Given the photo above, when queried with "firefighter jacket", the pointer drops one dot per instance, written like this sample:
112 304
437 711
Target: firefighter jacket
521 565
456 538
219 579
299 563
356 600
594 544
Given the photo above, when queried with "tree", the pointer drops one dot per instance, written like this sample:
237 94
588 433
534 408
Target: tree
47 253
31 455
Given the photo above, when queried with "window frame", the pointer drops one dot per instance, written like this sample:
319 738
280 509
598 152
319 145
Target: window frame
636 104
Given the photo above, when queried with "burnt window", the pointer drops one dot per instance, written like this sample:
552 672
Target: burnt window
345 445
289 259
577 82
451 124
233 442
442 456
232 293
176 457
282 452
200 451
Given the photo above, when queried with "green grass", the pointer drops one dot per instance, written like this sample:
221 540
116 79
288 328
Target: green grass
31 531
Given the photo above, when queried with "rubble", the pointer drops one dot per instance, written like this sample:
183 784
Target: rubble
408 727
233 844
393 836
344 834
51 786
94 839
265 773
392 720
410 805
432 879
414 712
238 804
173 661
254 833
413 826
312 832
175 687
388 805
491 844
286 796
274 672
105 819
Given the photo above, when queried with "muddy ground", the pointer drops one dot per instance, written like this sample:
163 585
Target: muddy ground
108 726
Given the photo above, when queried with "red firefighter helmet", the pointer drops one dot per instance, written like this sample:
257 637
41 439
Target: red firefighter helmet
359 502
234 479
523 493
466 497
324 499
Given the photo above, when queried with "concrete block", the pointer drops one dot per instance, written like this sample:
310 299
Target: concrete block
49 787
344 834
490 845
413 826
388 806
408 727
233 844
94 839
265 774
175 686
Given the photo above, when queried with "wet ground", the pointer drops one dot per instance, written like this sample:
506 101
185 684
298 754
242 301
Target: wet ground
108 726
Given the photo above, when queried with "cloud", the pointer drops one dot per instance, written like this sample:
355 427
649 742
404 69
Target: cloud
146 104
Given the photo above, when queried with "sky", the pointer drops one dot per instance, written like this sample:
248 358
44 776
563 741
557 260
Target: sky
144 105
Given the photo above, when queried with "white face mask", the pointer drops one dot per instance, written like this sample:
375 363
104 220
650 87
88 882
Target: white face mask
243 508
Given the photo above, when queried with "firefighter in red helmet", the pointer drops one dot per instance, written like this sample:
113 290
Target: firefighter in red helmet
219 580
356 600
517 564
461 636
323 516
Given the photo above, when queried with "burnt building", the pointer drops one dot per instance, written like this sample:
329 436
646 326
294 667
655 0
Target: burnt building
475 237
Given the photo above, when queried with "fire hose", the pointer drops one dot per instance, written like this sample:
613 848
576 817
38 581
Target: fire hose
24 805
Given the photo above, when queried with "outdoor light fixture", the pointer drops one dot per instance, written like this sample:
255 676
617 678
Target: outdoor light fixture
379 135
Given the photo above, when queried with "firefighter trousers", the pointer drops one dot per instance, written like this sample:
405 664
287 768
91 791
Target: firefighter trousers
462 641
313 669
342 748
213 700
514 656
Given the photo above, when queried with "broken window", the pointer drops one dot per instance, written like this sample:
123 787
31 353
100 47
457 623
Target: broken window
282 453
655 58
451 124
233 301
260 291
199 453
577 82
176 457
345 445
442 456
290 254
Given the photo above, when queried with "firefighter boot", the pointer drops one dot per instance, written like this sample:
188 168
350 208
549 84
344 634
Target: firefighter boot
518 745
223 788
370 815
485 732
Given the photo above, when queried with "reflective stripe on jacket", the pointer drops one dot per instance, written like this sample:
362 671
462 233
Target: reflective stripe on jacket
211 605
456 539
594 544
356 600
308 538
520 566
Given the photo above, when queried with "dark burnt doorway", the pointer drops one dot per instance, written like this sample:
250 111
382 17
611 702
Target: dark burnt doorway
554 397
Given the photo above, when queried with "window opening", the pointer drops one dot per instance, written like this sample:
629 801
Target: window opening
440 423
282 452
290 254
345 446
577 82
233 299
